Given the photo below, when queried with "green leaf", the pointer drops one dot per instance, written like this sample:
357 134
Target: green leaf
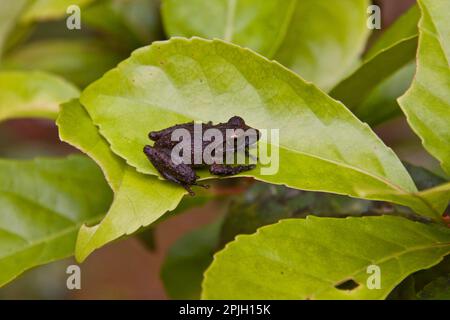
403 28
131 23
31 94
354 90
438 289
425 277
325 39
42 205
411 288
437 197
9 12
202 197
309 258
181 80
423 178
260 25
319 39
138 199
80 61
387 71
427 103
187 259
43 10
381 104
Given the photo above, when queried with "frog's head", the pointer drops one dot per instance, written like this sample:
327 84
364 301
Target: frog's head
237 122
242 134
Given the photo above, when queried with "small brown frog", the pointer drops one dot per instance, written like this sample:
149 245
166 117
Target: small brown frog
160 155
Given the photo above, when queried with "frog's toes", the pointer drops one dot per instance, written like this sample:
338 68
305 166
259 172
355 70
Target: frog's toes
206 186
188 189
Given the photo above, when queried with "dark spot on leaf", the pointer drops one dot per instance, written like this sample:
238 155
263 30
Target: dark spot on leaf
348 285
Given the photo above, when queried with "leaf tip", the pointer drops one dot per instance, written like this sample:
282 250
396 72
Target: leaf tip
84 247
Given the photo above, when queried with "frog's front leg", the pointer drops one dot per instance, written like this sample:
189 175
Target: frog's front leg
181 174
228 170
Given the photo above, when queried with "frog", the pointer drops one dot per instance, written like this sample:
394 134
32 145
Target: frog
184 174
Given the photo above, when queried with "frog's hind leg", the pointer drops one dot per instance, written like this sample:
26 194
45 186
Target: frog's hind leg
188 189
206 186
171 178
228 170
185 185
180 174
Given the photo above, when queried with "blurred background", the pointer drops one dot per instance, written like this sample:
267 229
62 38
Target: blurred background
130 268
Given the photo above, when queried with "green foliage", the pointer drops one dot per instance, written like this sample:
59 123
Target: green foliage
425 284
293 32
263 205
41 10
385 74
427 103
403 28
81 61
36 37
9 12
43 203
138 199
370 75
438 289
32 94
323 145
130 23
309 258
